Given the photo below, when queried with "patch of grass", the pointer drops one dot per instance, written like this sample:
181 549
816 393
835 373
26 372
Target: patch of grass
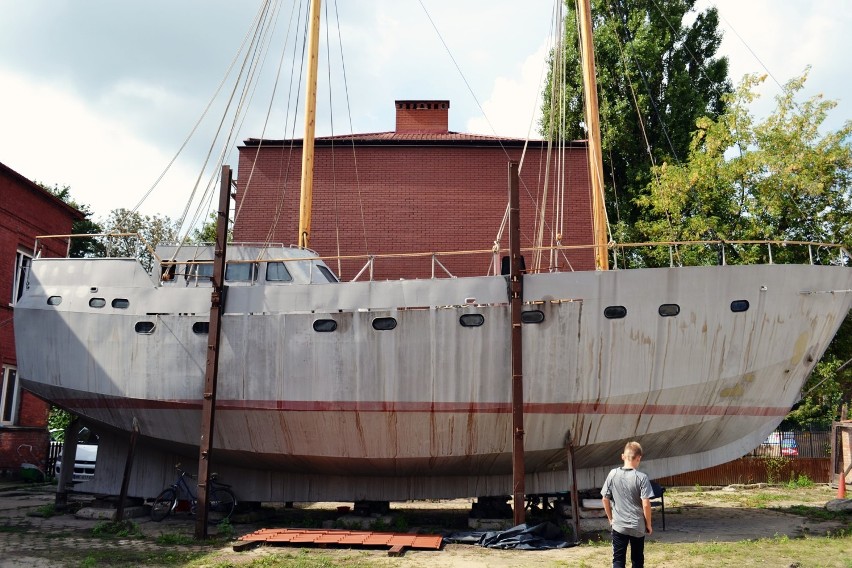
116 529
15 528
47 510
225 529
173 539
129 557
815 513
803 481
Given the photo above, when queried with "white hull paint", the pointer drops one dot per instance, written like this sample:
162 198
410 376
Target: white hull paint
424 410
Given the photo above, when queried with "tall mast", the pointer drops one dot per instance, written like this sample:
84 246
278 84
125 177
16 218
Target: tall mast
310 126
593 127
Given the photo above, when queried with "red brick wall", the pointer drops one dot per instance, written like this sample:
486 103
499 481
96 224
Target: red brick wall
26 211
406 199
422 116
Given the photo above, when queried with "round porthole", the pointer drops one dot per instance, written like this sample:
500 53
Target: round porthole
669 310
384 324
472 320
739 305
201 327
145 327
615 312
532 316
54 300
325 325
97 303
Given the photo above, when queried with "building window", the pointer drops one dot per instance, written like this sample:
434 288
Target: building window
9 396
23 261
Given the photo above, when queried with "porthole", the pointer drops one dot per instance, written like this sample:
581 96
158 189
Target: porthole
532 316
146 327
472 320
739 305
325 325
615 312
384 324
54 300
121 303
97 303
668 310
201 327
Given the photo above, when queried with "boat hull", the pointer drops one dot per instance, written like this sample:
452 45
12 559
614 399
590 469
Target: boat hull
423 410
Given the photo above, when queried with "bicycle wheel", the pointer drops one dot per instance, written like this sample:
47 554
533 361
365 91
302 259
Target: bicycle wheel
163 504
220 506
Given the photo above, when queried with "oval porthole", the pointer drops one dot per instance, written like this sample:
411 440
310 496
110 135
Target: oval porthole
739 305
472 320
668 310
54 300
532 316
146 327
201 327
97 302
615 312
325 325
384 324
121 303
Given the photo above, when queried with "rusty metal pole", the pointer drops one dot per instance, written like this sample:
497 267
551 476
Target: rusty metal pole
217 303
575 493
128 467
516 297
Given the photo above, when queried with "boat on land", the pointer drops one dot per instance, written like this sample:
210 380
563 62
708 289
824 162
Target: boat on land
402 389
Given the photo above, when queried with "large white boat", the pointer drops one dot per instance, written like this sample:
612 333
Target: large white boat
399 390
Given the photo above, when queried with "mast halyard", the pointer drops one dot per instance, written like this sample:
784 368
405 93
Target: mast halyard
593 127
306 198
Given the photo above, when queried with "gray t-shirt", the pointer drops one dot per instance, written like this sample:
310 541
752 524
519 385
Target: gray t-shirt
625 488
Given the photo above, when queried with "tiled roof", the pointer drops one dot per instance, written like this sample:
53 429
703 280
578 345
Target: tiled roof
420 137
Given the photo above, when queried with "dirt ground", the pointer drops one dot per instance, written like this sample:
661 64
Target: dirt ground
693 515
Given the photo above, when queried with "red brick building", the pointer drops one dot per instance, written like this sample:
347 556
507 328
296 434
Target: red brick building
419 188
26 210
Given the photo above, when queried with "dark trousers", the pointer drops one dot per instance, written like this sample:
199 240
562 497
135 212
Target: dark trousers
619 550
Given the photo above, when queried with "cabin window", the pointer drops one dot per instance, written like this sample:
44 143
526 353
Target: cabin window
472 320
739 305
277 272
121 303
201 327
325 325
203 270
532 316
169 271
384 324
97 303
240 272
668 310
615 312
329 275
9 392
145 327
54 300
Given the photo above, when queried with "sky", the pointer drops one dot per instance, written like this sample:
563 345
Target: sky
100 95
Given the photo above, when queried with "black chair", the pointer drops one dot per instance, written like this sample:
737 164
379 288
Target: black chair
659 498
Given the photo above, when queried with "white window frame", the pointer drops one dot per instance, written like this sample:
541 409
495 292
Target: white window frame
23 262
9 395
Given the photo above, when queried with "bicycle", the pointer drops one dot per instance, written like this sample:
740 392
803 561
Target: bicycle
221 501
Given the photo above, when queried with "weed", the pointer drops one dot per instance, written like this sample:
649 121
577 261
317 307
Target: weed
801 482
225 529
698 489
47 510
120 529
400 523
774 466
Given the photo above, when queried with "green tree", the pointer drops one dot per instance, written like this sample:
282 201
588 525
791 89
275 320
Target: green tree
656 77
151 230
80 247
782 178
207 232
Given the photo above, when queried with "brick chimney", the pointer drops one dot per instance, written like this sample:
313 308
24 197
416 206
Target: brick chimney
423 116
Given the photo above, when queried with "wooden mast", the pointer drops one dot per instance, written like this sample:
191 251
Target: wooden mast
310 126
593 127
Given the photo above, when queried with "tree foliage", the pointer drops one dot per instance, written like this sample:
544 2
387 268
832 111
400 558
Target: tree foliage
656 76
152 230
783 178
80 247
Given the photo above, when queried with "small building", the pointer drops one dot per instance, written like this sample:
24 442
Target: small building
419 188
26 211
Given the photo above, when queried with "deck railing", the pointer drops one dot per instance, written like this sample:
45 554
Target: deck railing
624 255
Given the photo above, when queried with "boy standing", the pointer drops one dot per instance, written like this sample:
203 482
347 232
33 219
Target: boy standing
627 497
